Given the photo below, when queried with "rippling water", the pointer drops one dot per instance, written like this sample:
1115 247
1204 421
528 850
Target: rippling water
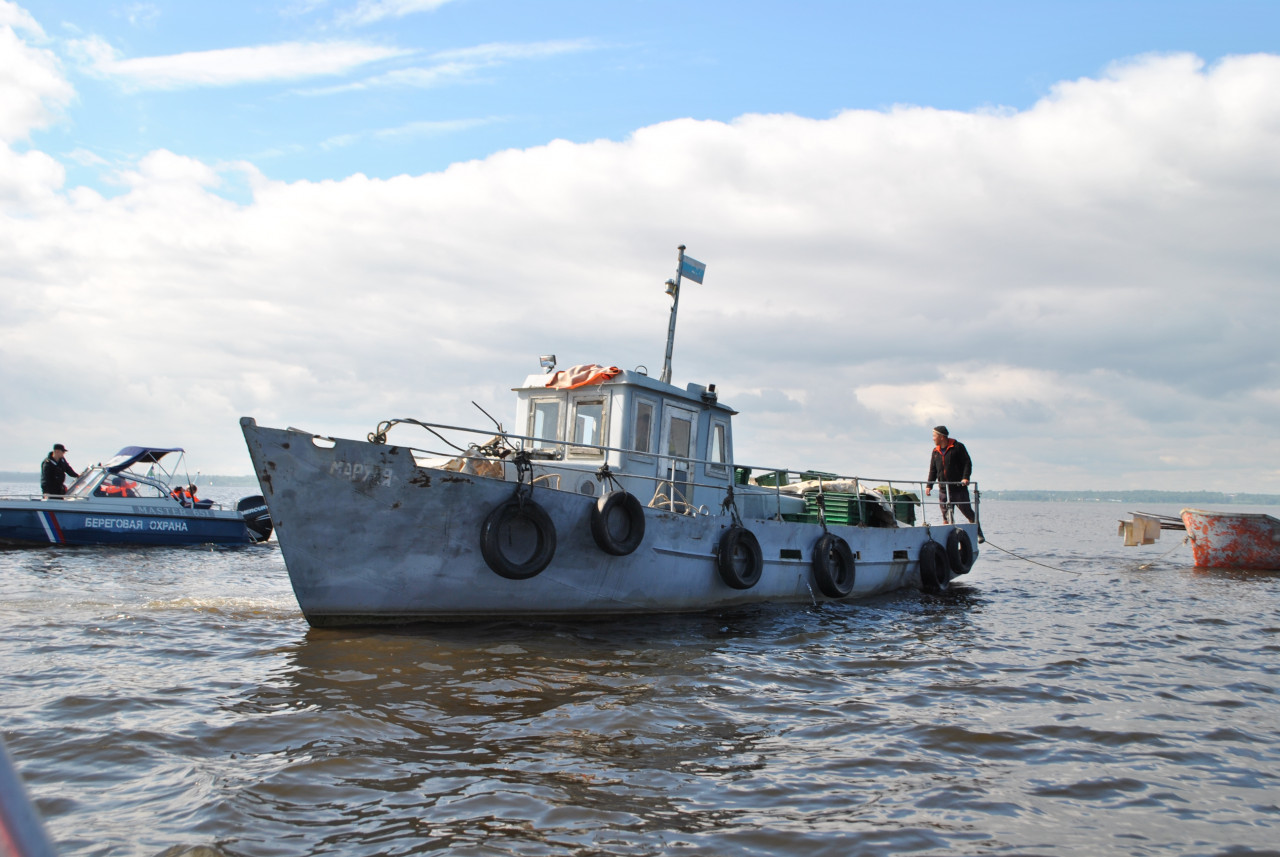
174 701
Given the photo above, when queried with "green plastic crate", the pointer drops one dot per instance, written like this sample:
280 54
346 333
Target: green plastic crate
904 504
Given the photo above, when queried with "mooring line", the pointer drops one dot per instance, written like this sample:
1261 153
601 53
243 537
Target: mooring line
1143 567
1146 565
989 543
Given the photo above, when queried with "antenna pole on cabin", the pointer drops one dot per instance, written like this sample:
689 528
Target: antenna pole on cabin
673 289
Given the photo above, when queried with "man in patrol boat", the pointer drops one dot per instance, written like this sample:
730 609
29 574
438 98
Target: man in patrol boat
54 471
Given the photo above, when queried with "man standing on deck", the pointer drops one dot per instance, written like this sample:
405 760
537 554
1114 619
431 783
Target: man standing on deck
54 471
950 466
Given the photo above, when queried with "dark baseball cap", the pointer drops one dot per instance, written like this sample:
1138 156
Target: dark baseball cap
59 446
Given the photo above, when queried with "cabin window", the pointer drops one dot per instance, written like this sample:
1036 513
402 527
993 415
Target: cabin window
125 486
642 431
146 490
588 425
544 419
678 442
718 452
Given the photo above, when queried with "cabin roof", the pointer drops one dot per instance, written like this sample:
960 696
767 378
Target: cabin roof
695 393
131 455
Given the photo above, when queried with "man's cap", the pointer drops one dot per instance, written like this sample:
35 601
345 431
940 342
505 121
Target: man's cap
942 430
59 446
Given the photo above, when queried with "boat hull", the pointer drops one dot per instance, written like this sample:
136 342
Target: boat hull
370 536
28 522
1233 539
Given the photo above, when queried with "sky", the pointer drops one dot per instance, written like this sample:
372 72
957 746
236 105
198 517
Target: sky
1049 226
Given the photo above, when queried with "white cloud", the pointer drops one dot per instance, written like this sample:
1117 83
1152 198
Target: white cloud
1083 291
232 66
143 15
416 77
32 87
28 181
460 65
86 158
409 130
371 11
502 52
15 17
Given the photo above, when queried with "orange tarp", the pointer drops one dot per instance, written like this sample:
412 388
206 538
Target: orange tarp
581 376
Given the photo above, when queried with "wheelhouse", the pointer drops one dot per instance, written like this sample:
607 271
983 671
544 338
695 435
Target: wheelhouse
669 446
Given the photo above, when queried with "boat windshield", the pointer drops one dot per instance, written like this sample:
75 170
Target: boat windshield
99 482
89 480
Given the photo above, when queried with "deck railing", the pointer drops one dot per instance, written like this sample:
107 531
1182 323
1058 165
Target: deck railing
551 462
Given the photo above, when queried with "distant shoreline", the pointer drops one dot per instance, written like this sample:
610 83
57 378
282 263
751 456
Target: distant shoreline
1194 498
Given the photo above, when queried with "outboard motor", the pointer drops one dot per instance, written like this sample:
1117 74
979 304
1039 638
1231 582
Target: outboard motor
256 516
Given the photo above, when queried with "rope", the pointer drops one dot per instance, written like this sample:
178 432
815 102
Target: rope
1142 567
524 468
989 543
605 474
379 434
1147 565
730 505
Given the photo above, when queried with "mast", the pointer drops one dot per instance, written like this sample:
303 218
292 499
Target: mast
673 289
686 266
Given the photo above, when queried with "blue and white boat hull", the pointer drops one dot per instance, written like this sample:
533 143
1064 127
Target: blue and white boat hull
117 522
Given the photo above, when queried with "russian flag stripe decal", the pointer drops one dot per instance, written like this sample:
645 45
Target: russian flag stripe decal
54 532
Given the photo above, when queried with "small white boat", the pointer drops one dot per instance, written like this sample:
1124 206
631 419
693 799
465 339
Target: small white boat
1233 539
131 500
616 494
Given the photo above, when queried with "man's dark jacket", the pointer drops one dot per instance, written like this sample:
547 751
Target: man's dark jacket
53 475
950 464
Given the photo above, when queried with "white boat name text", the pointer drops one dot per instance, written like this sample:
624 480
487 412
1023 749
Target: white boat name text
359 472
134 524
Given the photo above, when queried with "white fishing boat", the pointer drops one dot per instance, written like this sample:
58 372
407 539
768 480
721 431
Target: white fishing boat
137 497
617 493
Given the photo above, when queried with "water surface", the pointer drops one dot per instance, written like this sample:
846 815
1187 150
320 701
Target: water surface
1071 697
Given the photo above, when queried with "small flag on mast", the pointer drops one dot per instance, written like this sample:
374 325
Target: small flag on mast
692 268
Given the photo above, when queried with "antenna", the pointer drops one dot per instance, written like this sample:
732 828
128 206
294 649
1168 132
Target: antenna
490 416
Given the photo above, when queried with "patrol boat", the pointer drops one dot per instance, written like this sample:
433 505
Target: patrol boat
132 499
616 494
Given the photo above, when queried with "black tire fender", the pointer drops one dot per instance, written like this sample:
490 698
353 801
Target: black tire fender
740 561
935 574
833 566
960 555
617 523
512 522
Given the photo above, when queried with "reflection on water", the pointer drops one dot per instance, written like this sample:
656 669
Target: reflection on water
560 734
173 701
